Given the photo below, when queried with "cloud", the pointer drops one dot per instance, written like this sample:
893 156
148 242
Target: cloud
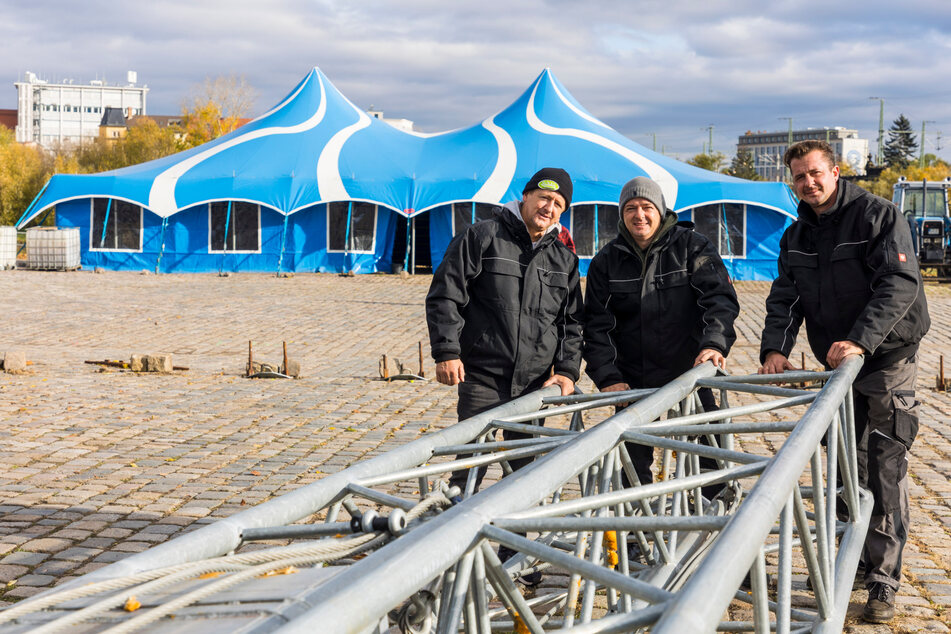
667 66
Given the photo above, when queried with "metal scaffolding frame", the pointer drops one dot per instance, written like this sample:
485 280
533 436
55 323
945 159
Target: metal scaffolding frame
390 548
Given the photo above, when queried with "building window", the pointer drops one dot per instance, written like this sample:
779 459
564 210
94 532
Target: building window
357 236
234 230
592 227
116 225
466 214
724 224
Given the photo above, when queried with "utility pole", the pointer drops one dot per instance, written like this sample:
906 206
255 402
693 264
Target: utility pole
921 148
881 130
788 141
710 147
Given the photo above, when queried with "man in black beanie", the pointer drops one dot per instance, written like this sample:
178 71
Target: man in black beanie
504 308
658 301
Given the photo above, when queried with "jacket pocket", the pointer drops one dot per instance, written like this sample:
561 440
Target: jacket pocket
906 416
500 284
470 337
676 303
803 268
553 288
849 275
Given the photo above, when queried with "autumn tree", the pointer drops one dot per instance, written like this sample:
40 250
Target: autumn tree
217 107
709 161
882 186
742 166
901 146
204 123
147 141
233 94
24 170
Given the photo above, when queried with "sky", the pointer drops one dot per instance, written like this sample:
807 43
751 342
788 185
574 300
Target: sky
651 69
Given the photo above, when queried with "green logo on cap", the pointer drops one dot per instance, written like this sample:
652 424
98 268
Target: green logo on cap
548 184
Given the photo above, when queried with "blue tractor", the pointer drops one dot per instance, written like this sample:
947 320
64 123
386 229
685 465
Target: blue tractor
925 205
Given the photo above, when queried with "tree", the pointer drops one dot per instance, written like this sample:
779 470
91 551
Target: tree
882 186
204 123
217 107
713 162
846 169
901 147
147 141
24 169
233 94
742 166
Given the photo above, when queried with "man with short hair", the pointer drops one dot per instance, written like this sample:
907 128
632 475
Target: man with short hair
504 309
658 302
847 267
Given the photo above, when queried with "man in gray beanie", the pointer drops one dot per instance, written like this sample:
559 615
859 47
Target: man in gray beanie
659 301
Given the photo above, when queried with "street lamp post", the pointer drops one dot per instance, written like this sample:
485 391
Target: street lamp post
881 129
921 148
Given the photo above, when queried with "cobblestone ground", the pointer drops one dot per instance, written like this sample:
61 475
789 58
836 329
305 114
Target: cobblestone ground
96 464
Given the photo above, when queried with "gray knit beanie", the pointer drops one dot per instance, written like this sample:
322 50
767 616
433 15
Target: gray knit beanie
643 187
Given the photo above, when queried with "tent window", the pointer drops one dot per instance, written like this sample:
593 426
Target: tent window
724 225
607 224
592 227
362 228
122 222
243 227
469 213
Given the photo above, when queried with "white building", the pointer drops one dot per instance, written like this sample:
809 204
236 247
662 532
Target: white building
768 148
51 114
400 124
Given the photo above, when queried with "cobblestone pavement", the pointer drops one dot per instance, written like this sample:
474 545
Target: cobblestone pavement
96 464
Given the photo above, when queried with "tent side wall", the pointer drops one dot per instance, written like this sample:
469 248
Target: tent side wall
308 244
78 213
188 244
187 240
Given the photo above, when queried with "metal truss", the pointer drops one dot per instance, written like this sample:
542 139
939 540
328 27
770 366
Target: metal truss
385 545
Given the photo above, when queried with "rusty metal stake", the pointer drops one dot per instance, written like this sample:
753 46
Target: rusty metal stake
421 373
942 386
386 368
284 343
250 369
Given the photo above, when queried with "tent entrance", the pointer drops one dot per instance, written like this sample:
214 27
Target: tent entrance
411 252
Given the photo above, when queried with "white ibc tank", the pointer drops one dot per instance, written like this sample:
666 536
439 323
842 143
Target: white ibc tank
8 248
52 248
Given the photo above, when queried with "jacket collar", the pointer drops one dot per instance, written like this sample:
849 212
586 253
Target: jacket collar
845 193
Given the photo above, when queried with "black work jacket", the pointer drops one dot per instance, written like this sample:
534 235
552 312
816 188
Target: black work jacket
509 311
645 323
851 273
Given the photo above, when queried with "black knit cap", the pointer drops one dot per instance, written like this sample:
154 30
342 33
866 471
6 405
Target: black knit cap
552 179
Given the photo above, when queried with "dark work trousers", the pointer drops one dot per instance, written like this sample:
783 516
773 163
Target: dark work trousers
886 423
643 456
475 398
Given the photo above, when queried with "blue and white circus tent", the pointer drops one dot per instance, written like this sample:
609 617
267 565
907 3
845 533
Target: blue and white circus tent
316 184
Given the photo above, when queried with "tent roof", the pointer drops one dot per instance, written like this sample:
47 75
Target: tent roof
316 146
